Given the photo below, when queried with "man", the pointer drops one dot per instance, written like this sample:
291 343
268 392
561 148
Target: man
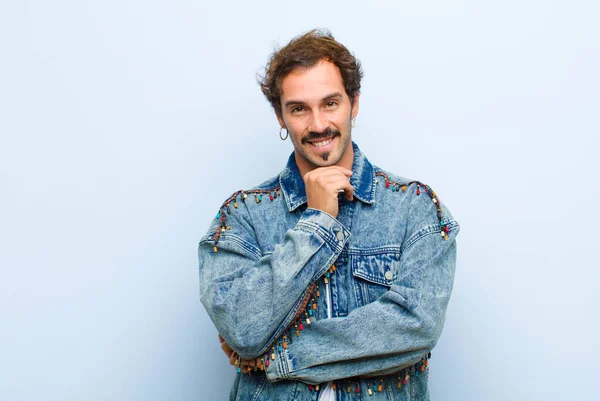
329 281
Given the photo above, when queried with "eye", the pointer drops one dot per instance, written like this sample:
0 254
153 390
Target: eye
331 103
297 109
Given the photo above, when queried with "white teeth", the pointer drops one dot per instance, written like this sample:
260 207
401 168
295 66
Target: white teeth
323 143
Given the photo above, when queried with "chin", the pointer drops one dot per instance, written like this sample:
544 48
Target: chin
319 159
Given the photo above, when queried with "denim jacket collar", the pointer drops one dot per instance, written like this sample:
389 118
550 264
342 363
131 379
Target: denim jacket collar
363 181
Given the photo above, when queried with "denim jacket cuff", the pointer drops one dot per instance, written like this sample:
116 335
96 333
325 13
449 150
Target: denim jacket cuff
326 226
278 369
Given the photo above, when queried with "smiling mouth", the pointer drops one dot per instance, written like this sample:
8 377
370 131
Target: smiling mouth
319 140
322 143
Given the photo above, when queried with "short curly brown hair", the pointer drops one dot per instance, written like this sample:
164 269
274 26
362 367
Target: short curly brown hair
305 51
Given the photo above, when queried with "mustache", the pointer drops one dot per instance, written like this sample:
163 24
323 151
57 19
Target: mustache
328 132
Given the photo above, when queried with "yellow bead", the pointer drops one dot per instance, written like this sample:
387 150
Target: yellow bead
370 392
214 249
235 205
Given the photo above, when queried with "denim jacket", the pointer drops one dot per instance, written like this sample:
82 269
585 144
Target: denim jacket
270 267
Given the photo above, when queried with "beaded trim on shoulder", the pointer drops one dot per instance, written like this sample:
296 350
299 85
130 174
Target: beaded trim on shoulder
396 186
226 207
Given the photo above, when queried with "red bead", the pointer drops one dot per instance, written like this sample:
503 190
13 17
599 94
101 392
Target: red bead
356 389
301 326
310 387
387 184
271 197
267 363
418 192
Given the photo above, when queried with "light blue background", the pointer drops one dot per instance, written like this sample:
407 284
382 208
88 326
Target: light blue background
125 124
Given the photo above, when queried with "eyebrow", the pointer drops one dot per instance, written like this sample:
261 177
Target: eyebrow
299 102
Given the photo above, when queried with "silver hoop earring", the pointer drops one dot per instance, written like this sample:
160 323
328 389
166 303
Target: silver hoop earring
286 133
354 122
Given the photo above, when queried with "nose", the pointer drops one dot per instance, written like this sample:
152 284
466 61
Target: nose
319 122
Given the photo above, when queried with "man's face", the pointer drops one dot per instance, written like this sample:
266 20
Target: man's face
317 113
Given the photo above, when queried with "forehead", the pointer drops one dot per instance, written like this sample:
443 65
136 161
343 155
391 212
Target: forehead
312 83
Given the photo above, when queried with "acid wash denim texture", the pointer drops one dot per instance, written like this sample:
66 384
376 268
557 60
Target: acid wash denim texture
394 252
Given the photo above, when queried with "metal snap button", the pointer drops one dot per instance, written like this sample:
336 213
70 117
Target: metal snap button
389 275
340 236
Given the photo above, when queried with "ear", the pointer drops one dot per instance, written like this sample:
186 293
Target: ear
280 120
355 104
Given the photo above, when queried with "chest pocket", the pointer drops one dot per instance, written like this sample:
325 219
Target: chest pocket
374 271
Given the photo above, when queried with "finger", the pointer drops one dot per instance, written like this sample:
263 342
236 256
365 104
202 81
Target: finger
329 169
326 171
221 339
338 185
226 348
348 190
228 353
232 358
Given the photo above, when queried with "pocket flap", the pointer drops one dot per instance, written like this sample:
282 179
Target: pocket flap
376 267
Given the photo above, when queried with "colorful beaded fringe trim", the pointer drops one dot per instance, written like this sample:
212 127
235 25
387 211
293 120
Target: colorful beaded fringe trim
226 207
398 186
274 193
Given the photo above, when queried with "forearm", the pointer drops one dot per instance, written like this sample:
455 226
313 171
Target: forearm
252 298
384 336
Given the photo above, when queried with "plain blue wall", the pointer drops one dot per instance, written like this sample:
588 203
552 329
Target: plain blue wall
125 124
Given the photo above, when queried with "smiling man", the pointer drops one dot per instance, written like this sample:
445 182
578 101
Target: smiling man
329 281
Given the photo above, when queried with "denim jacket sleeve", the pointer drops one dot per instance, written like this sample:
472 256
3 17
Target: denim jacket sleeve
250 297
387 335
